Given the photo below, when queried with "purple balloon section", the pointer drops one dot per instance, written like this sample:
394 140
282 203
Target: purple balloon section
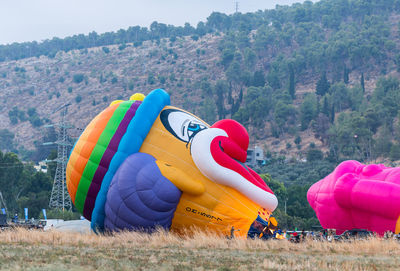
140 197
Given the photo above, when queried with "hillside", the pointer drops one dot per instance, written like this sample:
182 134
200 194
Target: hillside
319 77
91 79
47 83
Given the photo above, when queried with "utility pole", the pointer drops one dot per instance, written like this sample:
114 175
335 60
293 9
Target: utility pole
285 206
236 7
2 203
60 198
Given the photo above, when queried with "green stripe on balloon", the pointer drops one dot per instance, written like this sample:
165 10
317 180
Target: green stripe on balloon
97 154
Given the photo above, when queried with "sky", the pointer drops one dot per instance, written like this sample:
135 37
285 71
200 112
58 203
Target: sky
28 20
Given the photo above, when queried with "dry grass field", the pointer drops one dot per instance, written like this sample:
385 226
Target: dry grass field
34 250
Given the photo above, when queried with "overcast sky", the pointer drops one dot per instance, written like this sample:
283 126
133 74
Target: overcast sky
28 20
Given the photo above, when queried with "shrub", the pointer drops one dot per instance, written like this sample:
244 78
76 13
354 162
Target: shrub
78 98
78 78
314 155
394 152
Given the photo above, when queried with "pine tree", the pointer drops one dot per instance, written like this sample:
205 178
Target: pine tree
258 79
322 85
362 82
273 80
345 75
292 89
333 114
325 107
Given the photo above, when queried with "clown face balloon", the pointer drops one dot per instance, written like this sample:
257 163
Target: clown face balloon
142 164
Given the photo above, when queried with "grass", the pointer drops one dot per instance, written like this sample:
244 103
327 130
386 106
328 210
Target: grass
34 250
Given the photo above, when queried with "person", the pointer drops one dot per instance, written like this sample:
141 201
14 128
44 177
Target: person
266 234
15 219
388 235
303 235
295 237
232 233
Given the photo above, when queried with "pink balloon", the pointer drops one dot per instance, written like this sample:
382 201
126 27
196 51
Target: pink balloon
357 196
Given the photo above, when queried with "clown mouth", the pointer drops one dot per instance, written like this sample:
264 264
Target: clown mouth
220 153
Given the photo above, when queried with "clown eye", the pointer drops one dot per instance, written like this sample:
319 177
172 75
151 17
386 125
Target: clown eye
193 128
182 125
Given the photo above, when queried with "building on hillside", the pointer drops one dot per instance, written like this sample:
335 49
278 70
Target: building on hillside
255 157
41 166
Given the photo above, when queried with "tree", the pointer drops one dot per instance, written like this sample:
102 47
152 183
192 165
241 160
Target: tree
297 201
105 49
257 106
323 85
78 98
218 21
227 56
321 127
208 109
325 106
308 110
297 140
276 186
273 79
78 78
249 58
314 155
282 113
6 140
258 79
345 75
395 152
362 82
220 89
151 79
21 184
340 96
237 79
332 119
291 81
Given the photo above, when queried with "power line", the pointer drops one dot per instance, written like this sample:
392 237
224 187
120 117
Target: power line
16 166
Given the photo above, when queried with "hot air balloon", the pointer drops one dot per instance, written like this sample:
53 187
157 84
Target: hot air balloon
142 164
357 196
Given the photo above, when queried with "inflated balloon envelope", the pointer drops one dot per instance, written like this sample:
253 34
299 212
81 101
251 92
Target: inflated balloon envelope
142 164
357 196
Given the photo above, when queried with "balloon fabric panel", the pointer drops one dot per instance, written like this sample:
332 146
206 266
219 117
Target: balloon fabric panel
140 196
136 132
357 196
83 149
97 154
136 171
106 159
